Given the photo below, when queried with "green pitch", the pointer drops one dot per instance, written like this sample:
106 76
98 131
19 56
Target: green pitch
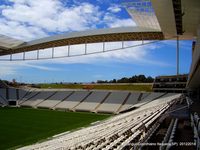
21 126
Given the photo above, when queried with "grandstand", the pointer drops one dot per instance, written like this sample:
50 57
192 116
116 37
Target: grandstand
165 119
173 84
98 101
116 132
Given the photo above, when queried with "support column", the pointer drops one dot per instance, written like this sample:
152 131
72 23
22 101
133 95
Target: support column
68 50
103 46
10 57
38 54
17 93
52 55
24 55
85 48
177 55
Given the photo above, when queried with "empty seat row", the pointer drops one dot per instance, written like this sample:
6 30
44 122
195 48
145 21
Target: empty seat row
113 133
99 101
93 101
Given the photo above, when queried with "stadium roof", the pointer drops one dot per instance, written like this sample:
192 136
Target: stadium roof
143 13
8 42
172 17
178 17
82 37
155 21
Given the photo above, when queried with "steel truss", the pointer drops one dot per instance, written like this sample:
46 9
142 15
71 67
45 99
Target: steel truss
69 51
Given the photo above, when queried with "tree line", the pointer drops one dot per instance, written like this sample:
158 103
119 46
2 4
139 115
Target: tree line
133 79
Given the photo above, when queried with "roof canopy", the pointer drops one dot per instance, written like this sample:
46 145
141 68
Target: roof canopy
172 17
8 42
82 37
178 17
155 21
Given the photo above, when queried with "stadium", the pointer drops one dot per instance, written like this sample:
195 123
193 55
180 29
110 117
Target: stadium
89 118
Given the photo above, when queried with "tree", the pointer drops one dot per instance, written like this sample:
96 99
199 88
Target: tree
101 81
141 78
134 79
123 80
149 79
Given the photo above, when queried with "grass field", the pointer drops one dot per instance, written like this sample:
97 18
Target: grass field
21 126
130 87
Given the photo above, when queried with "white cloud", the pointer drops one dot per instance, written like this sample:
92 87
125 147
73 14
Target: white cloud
37 18
13 68
28 19
113 21
121 23
114 9
7 70
39 67
20 31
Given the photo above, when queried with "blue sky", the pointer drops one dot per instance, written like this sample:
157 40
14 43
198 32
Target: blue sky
28 20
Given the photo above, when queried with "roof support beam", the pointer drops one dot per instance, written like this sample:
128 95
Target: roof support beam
177 55
178 16
68 51
108 37
84 51
52 52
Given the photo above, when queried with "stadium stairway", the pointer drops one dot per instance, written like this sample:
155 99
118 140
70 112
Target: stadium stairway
92 101
73 109
28 97
144 98
53 93
113 102
3 102
74 99
22 96
103 100
22 93
132 100
124 102
3 95
63 99
42 96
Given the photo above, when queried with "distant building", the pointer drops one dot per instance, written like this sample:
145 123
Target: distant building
174 83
